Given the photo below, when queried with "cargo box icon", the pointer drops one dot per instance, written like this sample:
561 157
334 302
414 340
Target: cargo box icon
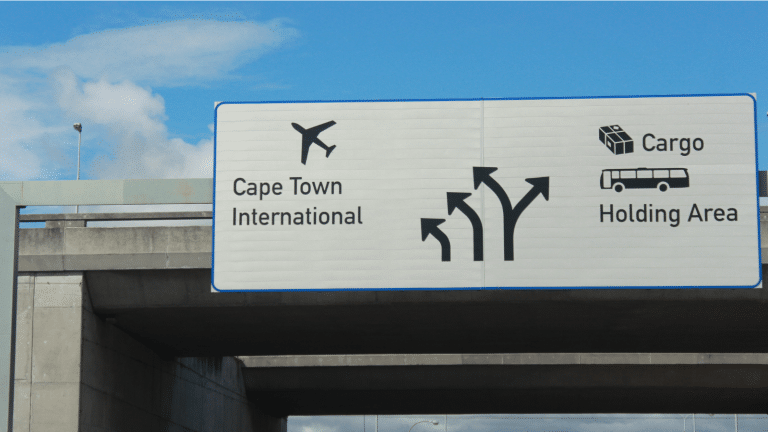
617 141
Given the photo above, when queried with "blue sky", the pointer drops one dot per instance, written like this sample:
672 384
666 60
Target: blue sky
142 78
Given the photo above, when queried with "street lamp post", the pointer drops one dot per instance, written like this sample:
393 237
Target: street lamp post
684 417
79 128
424 421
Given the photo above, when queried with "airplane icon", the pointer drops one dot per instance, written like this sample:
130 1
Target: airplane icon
309 137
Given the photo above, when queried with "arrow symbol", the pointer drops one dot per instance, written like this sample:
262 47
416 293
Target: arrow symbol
429 226
456 201
540 186
483 175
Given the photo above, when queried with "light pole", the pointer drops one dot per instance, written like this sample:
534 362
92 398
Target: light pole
79 128
684 417
424 421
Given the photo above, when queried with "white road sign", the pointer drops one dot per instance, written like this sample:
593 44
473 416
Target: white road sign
627 192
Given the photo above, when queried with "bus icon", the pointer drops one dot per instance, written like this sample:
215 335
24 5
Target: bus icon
644 178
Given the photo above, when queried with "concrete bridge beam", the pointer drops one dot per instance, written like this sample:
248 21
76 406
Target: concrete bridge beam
525 383
76 372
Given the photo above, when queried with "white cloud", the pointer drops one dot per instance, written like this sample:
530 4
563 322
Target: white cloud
166 54
119 105
102 80
22 125
134 118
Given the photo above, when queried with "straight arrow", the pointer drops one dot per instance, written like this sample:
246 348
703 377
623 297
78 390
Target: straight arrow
429 226
456 201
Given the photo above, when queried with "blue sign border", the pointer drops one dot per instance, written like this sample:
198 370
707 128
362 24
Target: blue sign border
757 184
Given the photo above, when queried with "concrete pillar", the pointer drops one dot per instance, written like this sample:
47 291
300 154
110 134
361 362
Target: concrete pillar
23 362
78 372
48 334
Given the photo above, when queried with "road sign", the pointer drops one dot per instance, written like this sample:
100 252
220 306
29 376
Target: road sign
624 192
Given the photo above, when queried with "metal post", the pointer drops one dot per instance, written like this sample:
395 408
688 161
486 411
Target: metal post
79 129
9 243
79 140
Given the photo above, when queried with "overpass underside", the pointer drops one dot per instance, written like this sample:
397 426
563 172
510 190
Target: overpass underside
174 310
404 352
532 383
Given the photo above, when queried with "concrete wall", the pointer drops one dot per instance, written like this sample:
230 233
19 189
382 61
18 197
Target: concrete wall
48 334
77 372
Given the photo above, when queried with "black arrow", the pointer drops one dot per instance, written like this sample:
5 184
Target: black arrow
456 200
429 226
540 186
483 175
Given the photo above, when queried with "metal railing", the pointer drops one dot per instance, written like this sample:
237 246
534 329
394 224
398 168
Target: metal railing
82 219
93 217
115 216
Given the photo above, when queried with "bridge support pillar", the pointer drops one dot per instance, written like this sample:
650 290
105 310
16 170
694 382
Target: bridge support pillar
76 371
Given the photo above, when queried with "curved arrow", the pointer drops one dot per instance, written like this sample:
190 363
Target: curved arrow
456 200
429 226
540 186
483 175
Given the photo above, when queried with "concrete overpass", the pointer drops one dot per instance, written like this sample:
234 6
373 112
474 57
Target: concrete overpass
156 346
154 283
